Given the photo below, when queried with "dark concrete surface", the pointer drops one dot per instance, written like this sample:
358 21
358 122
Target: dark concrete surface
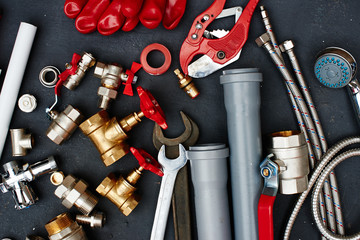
312 25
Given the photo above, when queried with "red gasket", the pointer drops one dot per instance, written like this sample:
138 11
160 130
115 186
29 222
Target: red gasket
163 50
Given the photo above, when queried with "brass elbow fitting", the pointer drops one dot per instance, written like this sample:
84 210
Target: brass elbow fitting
121 191
86 62
108 135
73 191
20 142
63 227
63 124
291 154
186 84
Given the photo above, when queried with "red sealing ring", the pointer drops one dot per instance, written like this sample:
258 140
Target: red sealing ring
163 50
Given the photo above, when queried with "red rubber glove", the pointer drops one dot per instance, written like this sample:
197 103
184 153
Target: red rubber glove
87 21
72 8
152 13
130 24
131 8
112 19
173 13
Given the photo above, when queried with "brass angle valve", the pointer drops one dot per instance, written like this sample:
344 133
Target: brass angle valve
109 135
112 76
121 191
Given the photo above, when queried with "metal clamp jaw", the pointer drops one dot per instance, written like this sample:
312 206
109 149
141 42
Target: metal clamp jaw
15 179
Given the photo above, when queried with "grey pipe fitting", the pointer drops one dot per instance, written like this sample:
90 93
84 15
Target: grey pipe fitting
86 62
291 154
15 179
20 142
242 103
64 124
74 192
209 176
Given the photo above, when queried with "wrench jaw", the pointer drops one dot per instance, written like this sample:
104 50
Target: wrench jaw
172 164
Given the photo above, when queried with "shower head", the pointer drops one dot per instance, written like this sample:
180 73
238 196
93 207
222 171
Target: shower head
335 67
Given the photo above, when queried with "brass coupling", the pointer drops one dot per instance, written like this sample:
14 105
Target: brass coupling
291 154
96 220
63 124
20 142
74 192
121 191
62 227
109 135
186 84
87 61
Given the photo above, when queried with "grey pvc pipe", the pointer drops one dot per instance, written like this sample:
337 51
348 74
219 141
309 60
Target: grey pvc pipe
210 176
242 103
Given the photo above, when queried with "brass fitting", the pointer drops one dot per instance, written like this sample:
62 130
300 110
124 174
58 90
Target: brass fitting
63 124
20 142
186 84
108 135
96 220
121 191
86 62
63 227
291 154
74 192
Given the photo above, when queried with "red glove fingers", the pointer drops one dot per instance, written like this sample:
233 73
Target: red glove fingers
152 13
112 19
72 8
87 21
130 24
173 13
131 8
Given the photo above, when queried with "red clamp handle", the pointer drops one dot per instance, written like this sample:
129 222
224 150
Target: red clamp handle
151 108
230 45
265 217
147 161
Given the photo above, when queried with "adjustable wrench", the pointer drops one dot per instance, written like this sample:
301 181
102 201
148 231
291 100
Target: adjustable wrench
170 169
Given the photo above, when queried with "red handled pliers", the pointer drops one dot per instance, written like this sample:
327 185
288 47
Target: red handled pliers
217 53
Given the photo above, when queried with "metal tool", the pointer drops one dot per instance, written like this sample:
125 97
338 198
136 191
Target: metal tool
181 196
336 68
217 53
170 169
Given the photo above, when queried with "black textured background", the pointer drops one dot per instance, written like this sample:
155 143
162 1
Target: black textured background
312 25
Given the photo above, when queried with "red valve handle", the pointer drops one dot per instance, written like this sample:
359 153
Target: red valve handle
151 108
65 74
265 217
147 161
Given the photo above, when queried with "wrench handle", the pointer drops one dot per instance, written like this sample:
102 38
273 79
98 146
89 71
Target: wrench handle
163 205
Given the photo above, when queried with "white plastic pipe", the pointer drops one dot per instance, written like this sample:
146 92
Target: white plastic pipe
14 76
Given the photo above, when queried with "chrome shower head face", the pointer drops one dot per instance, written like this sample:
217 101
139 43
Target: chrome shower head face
335 67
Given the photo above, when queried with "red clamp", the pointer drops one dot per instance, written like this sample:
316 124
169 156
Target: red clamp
151 108
146 161
219 51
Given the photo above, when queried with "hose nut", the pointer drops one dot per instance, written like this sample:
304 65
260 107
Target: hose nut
96 220
290 151
20 142
86 62
64 124
186 84
74 192
287 45
63 227
263 39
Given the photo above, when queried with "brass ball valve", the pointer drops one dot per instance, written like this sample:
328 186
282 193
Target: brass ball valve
121 191
108 135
